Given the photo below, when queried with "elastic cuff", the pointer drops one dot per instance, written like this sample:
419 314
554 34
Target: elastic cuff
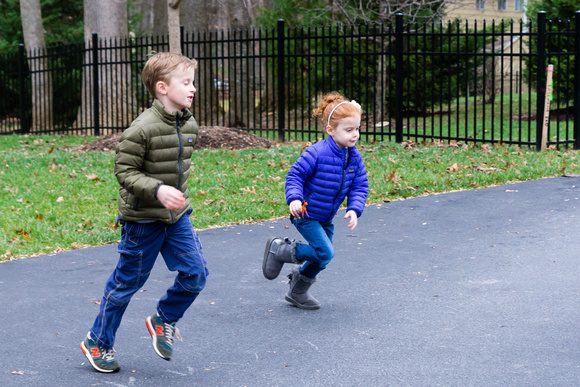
157 189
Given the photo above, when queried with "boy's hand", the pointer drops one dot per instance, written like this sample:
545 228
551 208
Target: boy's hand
353 219
170 197
296 208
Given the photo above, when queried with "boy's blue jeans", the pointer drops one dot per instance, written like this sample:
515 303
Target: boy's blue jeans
319 250
139 247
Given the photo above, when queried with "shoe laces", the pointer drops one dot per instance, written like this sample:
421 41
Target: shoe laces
108 354
170 332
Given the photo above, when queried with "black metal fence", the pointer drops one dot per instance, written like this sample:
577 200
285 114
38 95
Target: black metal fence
424 82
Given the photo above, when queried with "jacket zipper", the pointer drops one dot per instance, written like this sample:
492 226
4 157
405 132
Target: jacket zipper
344 166
177 126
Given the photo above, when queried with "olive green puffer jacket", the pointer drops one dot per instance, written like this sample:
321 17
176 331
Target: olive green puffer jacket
156 149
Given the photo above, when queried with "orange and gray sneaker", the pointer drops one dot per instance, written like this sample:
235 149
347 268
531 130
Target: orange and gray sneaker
162 335
103 360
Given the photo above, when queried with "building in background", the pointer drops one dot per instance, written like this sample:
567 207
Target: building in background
508 66
488 10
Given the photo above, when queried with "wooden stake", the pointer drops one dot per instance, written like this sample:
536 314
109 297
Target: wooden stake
545 127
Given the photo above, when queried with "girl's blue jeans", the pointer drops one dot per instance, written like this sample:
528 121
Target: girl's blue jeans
139 247
319 250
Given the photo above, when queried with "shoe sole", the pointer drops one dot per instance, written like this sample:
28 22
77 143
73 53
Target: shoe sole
86 352
266 251
298 305
151 330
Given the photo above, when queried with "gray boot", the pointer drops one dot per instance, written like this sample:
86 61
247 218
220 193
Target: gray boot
278 252
298 293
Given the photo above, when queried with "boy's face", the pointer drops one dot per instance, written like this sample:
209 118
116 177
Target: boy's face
346 133
178 93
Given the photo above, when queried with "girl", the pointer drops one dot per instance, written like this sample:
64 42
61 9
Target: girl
316 186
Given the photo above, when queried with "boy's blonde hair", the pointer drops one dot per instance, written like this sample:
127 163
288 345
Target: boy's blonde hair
160 67
331 101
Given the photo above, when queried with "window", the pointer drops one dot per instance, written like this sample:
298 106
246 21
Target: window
480 5
502 5
518 6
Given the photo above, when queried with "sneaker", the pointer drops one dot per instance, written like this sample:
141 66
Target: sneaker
103 360
162 335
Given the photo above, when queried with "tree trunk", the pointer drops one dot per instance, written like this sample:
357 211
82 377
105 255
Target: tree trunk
173 24
146 9
382 86
160 17
381 102
241 87
217 16
196 17
41 79
116 97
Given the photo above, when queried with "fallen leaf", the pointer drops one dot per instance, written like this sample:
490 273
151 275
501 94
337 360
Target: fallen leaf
248 190
393 177
60 199
453 167
24 233
92 176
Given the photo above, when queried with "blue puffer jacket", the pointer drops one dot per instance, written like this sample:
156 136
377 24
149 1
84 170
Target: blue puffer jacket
324 175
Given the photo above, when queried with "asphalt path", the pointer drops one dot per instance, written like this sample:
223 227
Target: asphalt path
471 288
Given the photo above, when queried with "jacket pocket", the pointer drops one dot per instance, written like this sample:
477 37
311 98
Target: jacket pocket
131 235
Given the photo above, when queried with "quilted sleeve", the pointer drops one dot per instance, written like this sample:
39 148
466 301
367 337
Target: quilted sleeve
300 171
357 196
129 156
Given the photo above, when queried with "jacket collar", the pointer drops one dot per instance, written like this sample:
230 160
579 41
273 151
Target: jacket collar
336 149
170 118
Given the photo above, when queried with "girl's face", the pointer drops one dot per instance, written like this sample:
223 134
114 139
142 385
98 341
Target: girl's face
346 133
179 91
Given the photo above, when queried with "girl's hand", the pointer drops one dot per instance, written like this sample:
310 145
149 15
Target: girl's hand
353 219
296 208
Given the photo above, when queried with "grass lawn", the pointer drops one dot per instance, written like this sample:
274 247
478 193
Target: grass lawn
55 198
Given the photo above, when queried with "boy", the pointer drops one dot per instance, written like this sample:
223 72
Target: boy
152 165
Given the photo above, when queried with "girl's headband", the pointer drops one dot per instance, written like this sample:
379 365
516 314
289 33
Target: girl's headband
332 111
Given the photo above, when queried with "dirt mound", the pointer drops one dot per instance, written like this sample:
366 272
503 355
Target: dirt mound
210 137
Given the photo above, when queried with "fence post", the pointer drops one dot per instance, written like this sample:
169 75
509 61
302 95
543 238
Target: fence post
399 79
182 38
577 85
541 79
24 128
281 81
96 112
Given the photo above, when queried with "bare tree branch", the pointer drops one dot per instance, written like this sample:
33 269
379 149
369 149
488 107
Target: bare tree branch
384 11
